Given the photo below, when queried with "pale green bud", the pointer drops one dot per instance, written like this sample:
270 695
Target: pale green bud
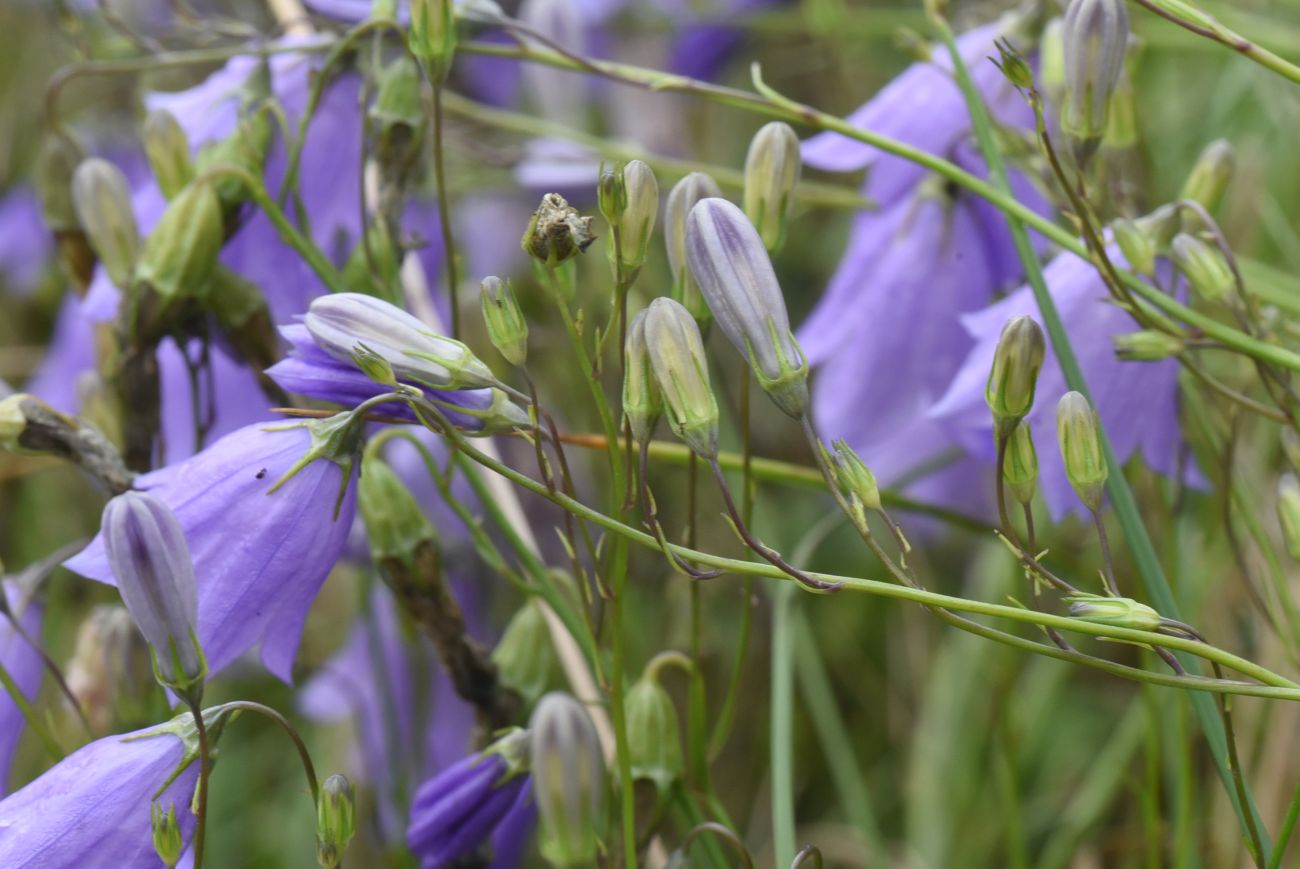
1147 345
1288 512
682 371
772 169
506 327
1051 59
432 35
611 194
166 833
398 113
1095 39
1137 246
642 403
1211 175
1205 268
653 738
854 477
1020 464
179 258
1013 377
1078 436
637 223
1115 612
524 656
501 416
395 524
168 151
568 780
336 820
556 232
102 198
681 199
56 165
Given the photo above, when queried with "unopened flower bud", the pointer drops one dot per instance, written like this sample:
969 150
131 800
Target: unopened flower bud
681 199
167 841
1288 512
556 232
395 524
336 820
501 415
568 780
682 372
854 477
1095 38
341 321
398 113
642 403
103 201
56 165
611 194
1147 345
1204 266
654 742
168 151
1115 612
1137 246
524 656
1020 464
180 256
506 327
1078 436
433 35
1211 175
772 169
149 556
637 223
1014 66
735 275
1017 360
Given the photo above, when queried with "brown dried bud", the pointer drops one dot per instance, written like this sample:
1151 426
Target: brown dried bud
557 231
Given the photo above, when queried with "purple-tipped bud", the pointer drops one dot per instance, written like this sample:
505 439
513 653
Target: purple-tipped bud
772 169
735 275
102 198
1095 35
342 322
1017 360
682 371
568 780
681 199
642 403
148 554
1079 437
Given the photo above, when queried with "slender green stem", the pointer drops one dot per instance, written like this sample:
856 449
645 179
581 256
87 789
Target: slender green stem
34 720
308 768
618 712
782 726
1284 833
1203 24
444 212
205 771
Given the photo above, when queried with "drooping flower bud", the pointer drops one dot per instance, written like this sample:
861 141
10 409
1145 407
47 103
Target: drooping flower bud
556 232
568 780
398 114
506 327
1020 464
1078 436
1288 512
681 199
148 554
735 275
102 198
1095 38
637 223
1017 360
1204 267
433 35
654 741
682 372
642 403
772 169
168 151
1137 246
395 524
340 322
524 656
166 833
611 194
854 477
180 256
1211 175
1147 345
336 820
1115 612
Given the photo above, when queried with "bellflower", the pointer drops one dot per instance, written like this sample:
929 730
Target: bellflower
1136 401
92 808
260 556
26 248
23 663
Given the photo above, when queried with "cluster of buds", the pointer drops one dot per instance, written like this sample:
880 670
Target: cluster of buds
1009 393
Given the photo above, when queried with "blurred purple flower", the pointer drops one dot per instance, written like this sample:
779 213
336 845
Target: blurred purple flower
1136 401
92 808
456 811
23 664
26 247
260 557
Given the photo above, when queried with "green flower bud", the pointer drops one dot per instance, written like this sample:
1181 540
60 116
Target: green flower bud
168 151
682 371
1205 268
336 820
374 267
1288 512
642 403
1077 435
432 35
103 201
854 477
653 738
501 416
1147 345
1211 175
180 256
1137 246
611 194
506 327
1095 40
1017 360
56 164
1014 66
1115 612
772 169
556 232
1020 464
637 223
568 780
166 833
1051 60
395 524
524 656
398 113
681 199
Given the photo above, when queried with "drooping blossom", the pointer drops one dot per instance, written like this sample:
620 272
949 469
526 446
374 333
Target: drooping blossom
260 556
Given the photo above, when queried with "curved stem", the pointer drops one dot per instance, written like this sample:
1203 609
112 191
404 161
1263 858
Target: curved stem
304 755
